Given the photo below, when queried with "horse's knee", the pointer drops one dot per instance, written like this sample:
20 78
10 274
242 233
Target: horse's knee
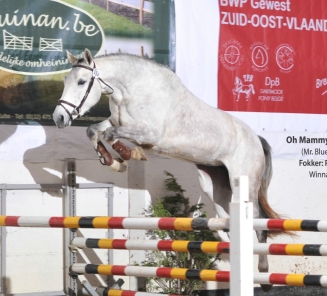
92 132
95 130
111 134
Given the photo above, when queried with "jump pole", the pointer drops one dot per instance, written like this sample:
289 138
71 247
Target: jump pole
117 292
149 223
241 239
198 274
113 292
197 246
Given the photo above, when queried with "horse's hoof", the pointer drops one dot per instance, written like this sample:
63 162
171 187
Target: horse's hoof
266 287
119 165
138 153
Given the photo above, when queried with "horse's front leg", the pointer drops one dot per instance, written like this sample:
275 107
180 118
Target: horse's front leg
127 153
140 133
94 132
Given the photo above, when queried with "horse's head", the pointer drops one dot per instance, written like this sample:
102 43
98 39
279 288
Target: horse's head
237 81
80 92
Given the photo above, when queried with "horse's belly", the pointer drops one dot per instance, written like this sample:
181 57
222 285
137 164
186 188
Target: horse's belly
189 153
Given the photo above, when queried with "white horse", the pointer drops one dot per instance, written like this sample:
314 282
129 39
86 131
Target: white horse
152 108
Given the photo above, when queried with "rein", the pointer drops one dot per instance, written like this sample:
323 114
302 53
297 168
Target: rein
77 109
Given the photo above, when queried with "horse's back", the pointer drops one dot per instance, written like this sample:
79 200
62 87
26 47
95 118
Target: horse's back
185 126
207 135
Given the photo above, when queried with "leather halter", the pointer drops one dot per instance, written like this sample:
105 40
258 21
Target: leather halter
77 109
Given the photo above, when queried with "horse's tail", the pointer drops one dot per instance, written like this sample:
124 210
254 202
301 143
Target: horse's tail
266 211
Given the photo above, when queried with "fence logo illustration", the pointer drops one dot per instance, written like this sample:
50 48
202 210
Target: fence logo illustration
35 37
240 88
47 44
285 57
11 41
232 57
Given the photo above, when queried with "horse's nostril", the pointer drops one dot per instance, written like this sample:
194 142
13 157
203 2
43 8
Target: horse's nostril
61 118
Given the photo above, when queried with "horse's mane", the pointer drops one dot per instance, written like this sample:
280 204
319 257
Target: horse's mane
132 57
121 55
170 76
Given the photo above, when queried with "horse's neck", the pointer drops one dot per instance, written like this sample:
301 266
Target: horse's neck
122 71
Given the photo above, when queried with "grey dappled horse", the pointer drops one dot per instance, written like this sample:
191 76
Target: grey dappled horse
152 108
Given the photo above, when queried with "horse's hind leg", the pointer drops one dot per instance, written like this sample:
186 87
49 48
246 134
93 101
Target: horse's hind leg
214 181
263 265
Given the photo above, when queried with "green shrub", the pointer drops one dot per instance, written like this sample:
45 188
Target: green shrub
175 204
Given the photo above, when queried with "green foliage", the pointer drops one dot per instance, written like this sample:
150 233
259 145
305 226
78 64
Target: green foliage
175 204
111 23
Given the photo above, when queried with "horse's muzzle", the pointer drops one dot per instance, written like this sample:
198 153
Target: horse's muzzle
60 118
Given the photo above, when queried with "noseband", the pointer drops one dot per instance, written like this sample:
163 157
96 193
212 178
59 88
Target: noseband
77 109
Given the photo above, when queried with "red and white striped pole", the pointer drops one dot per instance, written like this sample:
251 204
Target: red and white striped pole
199 274
198 246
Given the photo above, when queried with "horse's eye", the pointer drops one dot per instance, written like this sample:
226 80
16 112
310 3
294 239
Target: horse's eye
81 82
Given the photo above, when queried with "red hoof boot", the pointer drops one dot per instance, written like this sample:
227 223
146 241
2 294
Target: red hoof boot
104 155
124 151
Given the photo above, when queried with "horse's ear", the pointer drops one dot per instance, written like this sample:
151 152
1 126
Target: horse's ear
88 56
71 58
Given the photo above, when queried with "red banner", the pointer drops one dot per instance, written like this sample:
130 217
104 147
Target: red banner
273 56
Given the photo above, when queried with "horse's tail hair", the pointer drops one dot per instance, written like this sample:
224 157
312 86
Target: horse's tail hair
266 211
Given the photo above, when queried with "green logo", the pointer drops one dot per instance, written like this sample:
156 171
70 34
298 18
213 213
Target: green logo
35 34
